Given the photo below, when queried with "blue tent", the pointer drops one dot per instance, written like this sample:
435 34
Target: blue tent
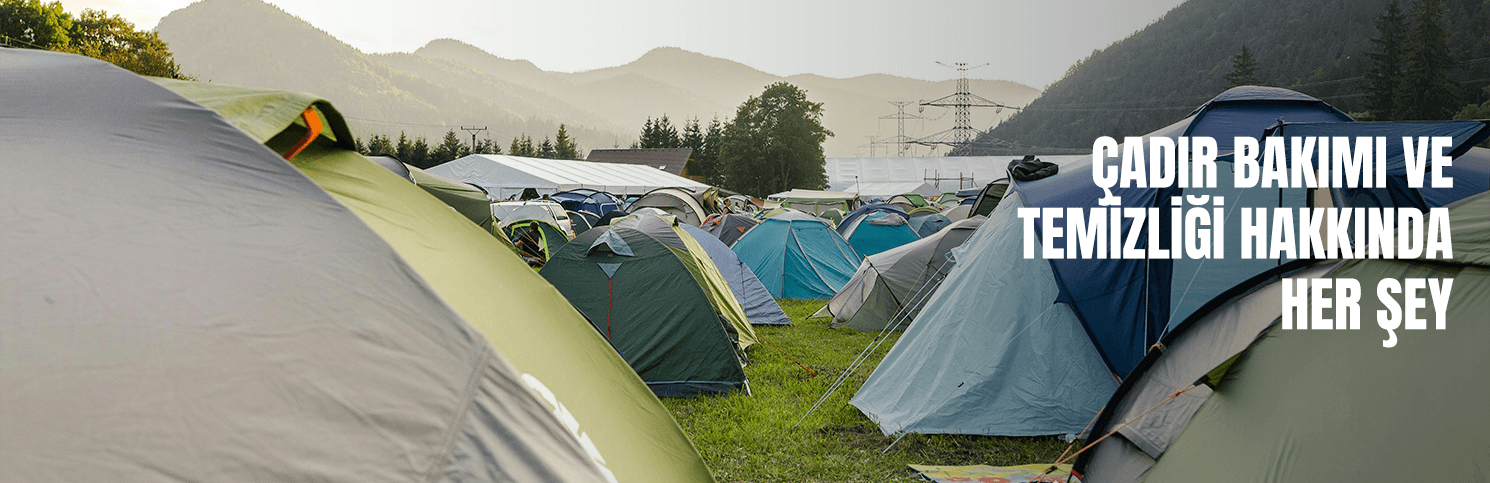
927 224
850 217
759 307
877 231
1010 346
584 199
797 256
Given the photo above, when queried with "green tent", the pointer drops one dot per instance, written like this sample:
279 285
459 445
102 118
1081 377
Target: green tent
466 198
528 320
641 286
536 240
1259 403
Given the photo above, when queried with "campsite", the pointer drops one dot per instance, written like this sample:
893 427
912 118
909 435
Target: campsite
240 248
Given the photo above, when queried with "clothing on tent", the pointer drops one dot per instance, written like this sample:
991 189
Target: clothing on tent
529 321
1031 168
170 332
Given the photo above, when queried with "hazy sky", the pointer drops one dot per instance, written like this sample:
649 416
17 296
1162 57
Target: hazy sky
1028 41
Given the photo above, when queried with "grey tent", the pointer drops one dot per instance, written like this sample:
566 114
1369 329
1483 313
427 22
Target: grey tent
1260 403
210 314
729 227
759 306
889 281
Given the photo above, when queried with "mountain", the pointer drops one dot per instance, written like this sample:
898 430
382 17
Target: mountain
448 83
1159 74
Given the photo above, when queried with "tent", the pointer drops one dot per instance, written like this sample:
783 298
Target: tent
557 351
928 224
1261 403
834 217
642 288
582 220
759 307
584 199
508 176
797 256
685 204
729 227
958 213
988 198
393 164
536 240
814 201
908 201
850 217
889 281
978 359
877 232
467 199
884 190
222 317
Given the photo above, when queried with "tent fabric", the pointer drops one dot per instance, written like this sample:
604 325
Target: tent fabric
529 321
535 238
1471 176
877 232
888 282
394 165
652 307
869 191
814 201
986 200
584 199
929 224
850 217
677 202
753 297
729 227
507 176
797 256
1239 331
1029 371
469 200
172 334
961 212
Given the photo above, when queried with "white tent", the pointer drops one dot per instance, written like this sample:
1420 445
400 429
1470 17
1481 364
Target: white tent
844 172
869 191
505 176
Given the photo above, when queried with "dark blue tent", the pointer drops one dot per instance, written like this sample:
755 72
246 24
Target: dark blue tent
584 199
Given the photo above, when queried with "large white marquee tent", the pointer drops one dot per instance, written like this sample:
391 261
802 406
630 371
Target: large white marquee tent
505 176
845 172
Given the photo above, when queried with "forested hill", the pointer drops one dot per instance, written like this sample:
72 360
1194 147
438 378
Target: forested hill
1161 73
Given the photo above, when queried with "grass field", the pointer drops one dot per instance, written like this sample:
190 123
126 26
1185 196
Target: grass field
749 438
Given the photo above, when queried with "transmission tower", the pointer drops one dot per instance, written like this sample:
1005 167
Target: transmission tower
873 141
962 103
901 142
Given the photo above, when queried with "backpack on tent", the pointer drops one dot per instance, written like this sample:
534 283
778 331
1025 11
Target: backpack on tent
645 291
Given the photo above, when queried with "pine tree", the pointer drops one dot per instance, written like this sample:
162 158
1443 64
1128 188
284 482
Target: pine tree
487 146
404 149
564 146
708 155
1428 93
450 148
1384 85
522 145
660 134
1243 69
546 150
380 145
419 155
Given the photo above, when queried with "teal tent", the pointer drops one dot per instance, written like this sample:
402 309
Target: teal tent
797 256
877 232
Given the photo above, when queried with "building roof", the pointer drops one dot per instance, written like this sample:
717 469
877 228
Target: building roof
670 159
503 176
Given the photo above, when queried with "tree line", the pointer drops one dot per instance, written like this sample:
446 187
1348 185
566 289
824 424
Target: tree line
417 152
31 24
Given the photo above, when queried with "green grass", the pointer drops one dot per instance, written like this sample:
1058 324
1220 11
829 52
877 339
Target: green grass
749 438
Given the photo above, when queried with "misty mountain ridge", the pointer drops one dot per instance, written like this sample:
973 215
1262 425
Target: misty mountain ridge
448 83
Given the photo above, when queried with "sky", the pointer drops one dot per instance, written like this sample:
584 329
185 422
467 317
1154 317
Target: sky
1030 42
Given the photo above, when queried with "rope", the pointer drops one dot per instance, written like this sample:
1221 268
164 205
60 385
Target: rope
788 356
1135 419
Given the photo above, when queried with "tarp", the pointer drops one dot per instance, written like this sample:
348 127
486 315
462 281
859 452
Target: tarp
894 285
171 332
797 256
507 176
525 317
757 302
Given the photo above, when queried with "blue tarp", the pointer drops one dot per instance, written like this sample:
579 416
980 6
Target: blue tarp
584 199
759 307
797 256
